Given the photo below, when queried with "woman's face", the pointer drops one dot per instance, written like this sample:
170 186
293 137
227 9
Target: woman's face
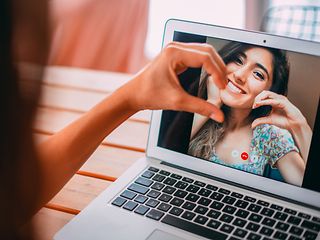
248 75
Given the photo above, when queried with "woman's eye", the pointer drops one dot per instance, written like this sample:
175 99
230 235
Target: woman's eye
259 75
238 60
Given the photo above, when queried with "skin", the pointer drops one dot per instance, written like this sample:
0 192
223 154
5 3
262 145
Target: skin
159 78
251 73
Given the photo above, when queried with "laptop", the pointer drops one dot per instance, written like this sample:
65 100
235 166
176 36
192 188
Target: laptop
176 193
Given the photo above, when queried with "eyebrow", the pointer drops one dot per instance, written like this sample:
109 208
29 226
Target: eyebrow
259 65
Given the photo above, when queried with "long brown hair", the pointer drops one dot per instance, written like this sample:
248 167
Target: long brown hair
203 143
23 39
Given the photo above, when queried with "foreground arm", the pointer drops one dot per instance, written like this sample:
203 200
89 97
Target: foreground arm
155 87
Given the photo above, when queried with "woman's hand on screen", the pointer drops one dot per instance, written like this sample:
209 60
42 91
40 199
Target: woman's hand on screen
157 85
283 114
213 93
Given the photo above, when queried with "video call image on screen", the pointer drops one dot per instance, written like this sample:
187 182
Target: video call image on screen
271 97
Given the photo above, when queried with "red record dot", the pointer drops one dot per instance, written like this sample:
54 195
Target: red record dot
244 156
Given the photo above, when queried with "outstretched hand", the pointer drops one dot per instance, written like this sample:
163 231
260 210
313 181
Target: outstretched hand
157 85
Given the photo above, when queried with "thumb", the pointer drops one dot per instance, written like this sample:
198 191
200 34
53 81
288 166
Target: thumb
202 107
262 120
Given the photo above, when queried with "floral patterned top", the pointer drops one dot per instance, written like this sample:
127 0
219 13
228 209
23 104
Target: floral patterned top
269 143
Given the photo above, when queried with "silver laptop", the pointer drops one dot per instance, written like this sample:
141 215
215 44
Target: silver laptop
187 188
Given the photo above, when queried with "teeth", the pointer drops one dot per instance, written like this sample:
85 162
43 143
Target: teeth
234 88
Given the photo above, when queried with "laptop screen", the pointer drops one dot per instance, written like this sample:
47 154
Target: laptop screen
271 109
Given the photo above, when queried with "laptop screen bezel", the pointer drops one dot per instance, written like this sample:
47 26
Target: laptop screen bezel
258 182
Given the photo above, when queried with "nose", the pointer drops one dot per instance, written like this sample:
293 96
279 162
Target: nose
240 75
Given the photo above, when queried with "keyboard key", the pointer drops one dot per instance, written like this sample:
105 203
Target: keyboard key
169 181
316 219
169 190
163 172
224 191
216 196
201 210
181 185
254 208
296 230
229 200
128 194
226 218
268 222
144 181
119 201
176 176
205 192
157 186
266 231
155 214
200 184
239 222
250 199
153 194
281 216
229 209
304 215
142 210
192 197
153 169
141 199
241 204
194 228
294 220
148 174
253 236
138 188
204 201
177 201
130 205
180 193
164 207
213 214
237 195
242 213
294 238
263 203
311 225
252 227
282 226
290 211
276 207
240 233
192 188
152 203
165 197
226 228
189 206
158 178
211 187
213 224
280 235
216 205
188 215
267 212
255 217
188 180
309 235
176 211
201 219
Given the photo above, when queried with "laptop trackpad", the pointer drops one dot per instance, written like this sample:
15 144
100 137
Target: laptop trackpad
161 235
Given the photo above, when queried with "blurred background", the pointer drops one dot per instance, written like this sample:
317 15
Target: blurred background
123 35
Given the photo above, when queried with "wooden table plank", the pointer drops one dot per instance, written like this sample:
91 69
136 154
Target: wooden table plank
79 192
47 222
129 134
106 160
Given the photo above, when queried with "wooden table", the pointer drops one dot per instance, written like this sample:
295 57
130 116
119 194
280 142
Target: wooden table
68 93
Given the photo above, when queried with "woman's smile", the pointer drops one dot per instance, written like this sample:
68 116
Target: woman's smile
234 88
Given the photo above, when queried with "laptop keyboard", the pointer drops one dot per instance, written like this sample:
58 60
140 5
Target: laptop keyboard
212 212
